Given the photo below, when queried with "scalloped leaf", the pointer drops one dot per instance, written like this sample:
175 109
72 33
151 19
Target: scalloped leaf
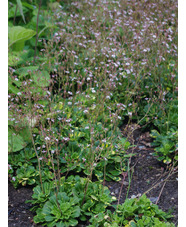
15 141
18 35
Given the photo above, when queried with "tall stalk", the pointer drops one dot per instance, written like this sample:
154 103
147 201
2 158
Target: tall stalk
40 2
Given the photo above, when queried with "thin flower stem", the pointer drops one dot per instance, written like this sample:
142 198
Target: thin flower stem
37 160
124 176
161 192
40 2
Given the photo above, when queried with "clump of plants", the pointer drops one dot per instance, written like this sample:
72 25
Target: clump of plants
133 212
78 199
77 71
73 199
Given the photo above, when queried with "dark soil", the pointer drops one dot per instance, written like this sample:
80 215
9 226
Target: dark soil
147 171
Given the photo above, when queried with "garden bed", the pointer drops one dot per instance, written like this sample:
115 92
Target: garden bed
147 171
93 102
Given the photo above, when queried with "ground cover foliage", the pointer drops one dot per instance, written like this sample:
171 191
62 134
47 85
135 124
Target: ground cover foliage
78 70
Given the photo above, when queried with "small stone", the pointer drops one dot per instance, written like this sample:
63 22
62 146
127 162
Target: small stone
133 197
117 191
153 199
124 183
138 195
141 147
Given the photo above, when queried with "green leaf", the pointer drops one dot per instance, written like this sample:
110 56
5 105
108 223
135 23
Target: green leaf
29 6
12 88
98 173
76 212
73 222
47 208
15 141
115 172
41 78
113 177
94 197
39 217
13 58
11 11
54 5
25 133
117 159
23 71
18 35
21 10
49 218
60 224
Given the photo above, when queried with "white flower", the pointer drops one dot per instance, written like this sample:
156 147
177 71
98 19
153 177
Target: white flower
87 127
85 111
19 93
47 138
128 71
66 138
69 103
13 178
93 91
